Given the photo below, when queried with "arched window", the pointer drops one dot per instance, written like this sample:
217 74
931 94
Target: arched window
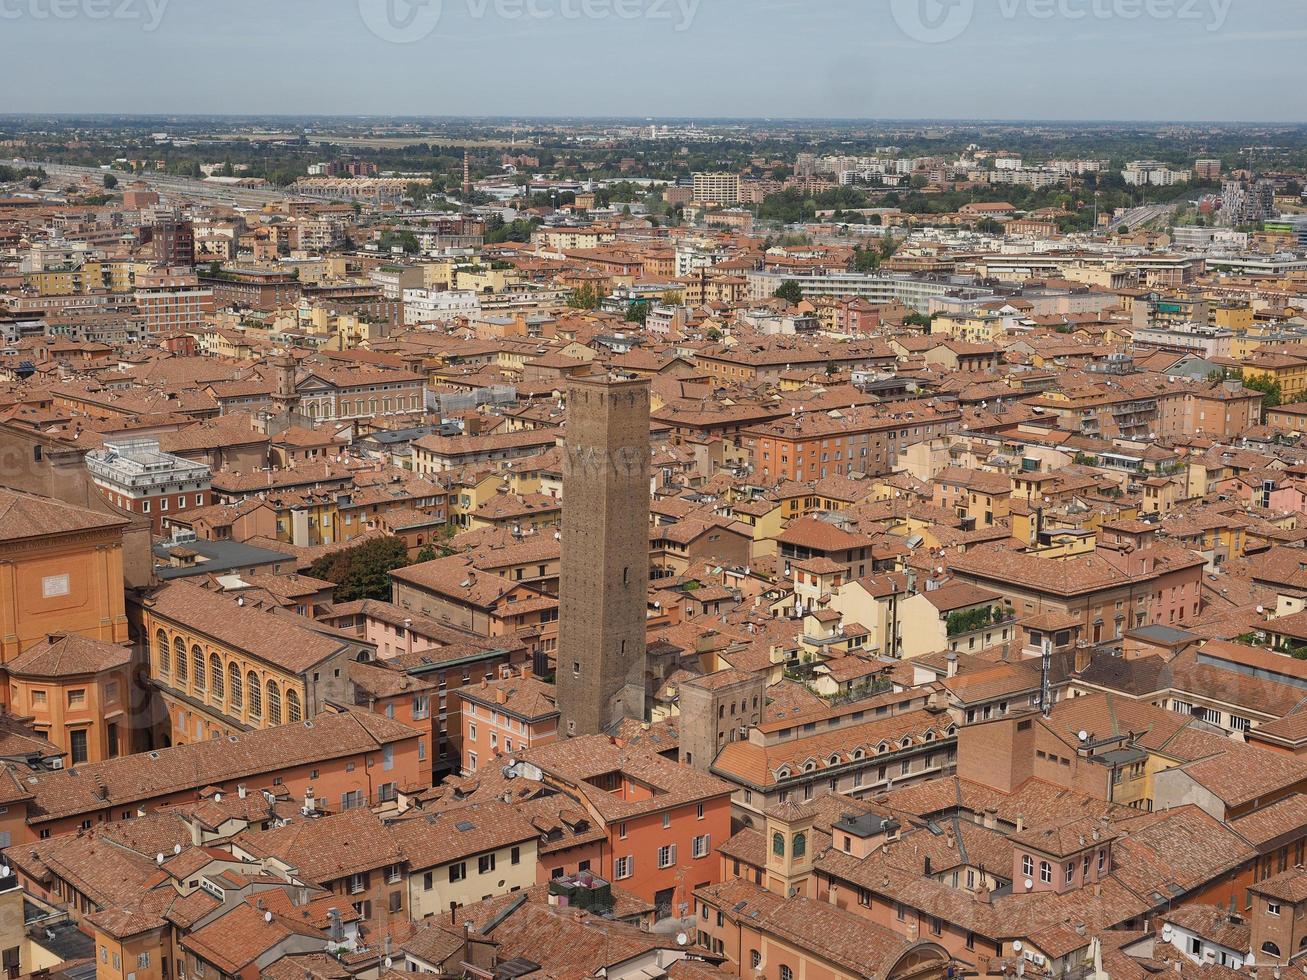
786 973
179 655
778 844
274 703
858 753
882 748
809 766
197 666
256 694
833 761
1270 949
234 685
930 736
215 675
162 648
800 845
293 705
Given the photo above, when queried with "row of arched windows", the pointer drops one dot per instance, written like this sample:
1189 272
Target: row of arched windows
225 685
364 407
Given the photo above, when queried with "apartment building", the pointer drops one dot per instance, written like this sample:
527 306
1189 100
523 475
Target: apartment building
719 188
661 821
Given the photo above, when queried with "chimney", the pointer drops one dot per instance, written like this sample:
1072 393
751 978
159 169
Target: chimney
501 696
310 805
1082 658
952 669
240 790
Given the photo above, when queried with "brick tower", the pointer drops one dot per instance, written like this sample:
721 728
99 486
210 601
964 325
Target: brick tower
605 564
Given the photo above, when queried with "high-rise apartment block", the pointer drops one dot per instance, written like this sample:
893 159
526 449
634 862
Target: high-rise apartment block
721 188
1247 202
605 554
172 241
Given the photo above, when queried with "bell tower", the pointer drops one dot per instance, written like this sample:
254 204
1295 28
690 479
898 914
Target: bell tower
284 398
789 848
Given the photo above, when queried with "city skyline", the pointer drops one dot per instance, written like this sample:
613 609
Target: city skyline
1072 60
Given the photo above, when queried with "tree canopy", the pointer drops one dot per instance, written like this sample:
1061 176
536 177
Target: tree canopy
362 572
790 291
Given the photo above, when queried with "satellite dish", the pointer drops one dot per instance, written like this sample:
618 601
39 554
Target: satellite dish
1016 946
1029 885
4 871
176 848
389 962
158 858
267 916
1261 610
1084 735
682 939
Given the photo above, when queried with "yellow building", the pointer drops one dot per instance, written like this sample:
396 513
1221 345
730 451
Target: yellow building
484 278
223 666
1289 371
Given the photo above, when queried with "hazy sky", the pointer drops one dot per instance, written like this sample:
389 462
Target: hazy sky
1238 60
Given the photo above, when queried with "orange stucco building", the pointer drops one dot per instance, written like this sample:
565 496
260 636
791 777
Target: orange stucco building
61 570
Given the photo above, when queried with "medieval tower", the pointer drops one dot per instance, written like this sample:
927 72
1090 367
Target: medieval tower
605 562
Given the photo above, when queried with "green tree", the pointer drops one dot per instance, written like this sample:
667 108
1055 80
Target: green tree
916 320
584 297
638 311
865 259
1271 394
362 572
110 182
790 291
425 555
